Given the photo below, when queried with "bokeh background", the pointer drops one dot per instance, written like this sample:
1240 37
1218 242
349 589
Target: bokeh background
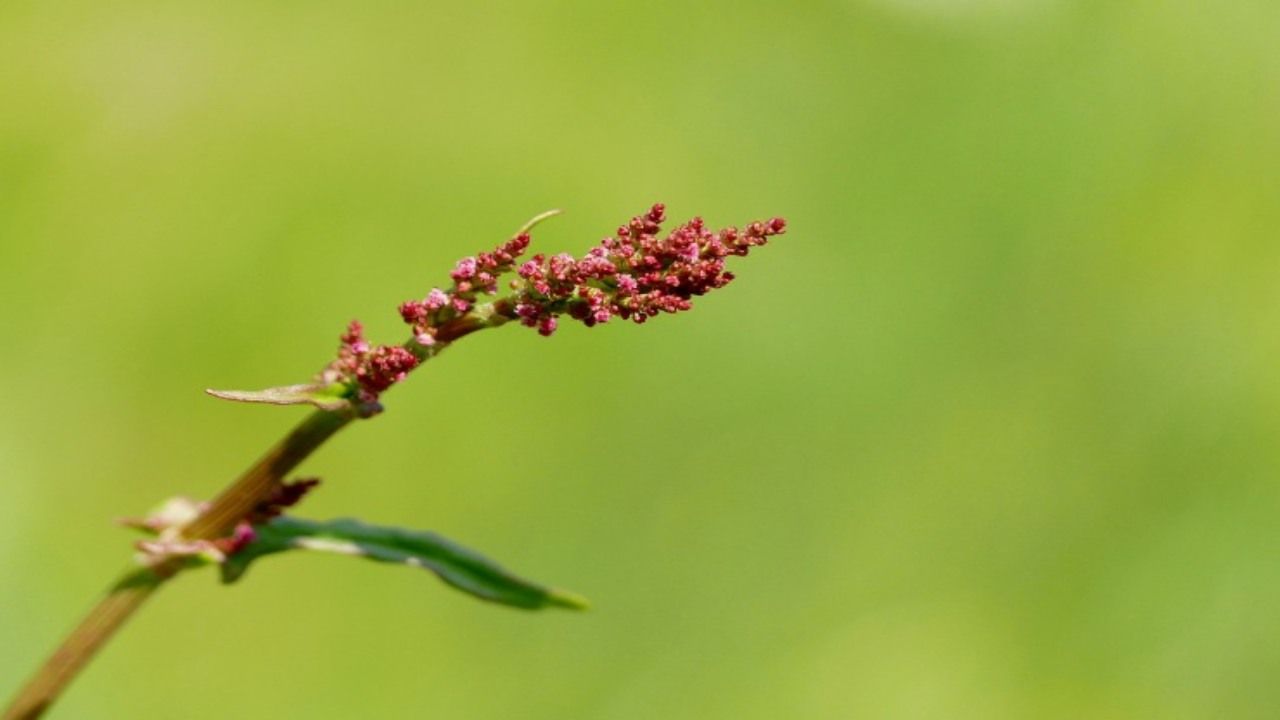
991 433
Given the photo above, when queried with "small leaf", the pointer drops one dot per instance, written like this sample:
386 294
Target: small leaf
536 219
461 567
325 397
172 513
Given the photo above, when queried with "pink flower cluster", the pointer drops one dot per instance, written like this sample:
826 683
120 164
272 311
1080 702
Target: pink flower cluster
472 276
373 368
634 275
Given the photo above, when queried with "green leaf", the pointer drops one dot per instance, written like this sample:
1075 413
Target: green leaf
325 397
461 567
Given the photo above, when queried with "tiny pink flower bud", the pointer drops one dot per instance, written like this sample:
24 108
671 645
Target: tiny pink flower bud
239 539
413 312
465 268
436 299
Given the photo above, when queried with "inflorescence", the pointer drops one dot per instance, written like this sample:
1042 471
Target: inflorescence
633 275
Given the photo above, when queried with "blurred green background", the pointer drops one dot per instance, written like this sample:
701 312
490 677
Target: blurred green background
991 433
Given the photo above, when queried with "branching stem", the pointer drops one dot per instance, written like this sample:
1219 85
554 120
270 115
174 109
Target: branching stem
124 598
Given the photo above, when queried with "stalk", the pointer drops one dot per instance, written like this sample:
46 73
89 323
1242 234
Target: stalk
136 585
83 643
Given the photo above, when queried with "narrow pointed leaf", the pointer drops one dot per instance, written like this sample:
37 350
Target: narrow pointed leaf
325 397
461 567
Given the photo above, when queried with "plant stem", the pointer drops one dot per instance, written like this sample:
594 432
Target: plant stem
236 502
258 482
80 646
255 486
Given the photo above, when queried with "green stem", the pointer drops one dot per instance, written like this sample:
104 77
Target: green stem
80 646
125 597
258 482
